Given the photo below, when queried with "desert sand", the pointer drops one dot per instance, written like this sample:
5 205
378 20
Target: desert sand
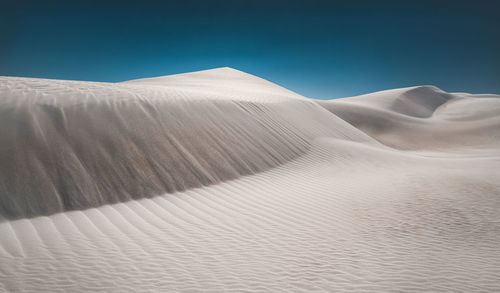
220 181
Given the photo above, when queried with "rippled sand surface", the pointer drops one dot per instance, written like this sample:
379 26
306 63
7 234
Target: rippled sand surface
219 181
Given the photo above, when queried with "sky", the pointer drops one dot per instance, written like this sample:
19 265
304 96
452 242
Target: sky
320 49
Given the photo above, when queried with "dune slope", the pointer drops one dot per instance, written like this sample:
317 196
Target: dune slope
219 181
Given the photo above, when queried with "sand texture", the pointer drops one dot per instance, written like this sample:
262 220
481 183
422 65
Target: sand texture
219 181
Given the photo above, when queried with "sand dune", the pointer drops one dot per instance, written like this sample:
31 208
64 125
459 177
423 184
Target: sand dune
73 145
424 118
220 181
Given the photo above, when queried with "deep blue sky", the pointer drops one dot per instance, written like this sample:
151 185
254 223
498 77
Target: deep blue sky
321 49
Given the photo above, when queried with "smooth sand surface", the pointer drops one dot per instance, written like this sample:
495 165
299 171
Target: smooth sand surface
219 181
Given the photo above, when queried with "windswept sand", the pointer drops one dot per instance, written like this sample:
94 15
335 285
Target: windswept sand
219 181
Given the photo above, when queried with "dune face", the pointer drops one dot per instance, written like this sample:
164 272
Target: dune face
221 181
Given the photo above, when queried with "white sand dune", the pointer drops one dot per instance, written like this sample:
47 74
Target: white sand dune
219 181
424 118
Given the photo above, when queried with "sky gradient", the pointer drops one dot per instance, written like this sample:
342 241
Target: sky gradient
320 49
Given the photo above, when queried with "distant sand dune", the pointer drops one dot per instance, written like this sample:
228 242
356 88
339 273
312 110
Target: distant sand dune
424 118
221 181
